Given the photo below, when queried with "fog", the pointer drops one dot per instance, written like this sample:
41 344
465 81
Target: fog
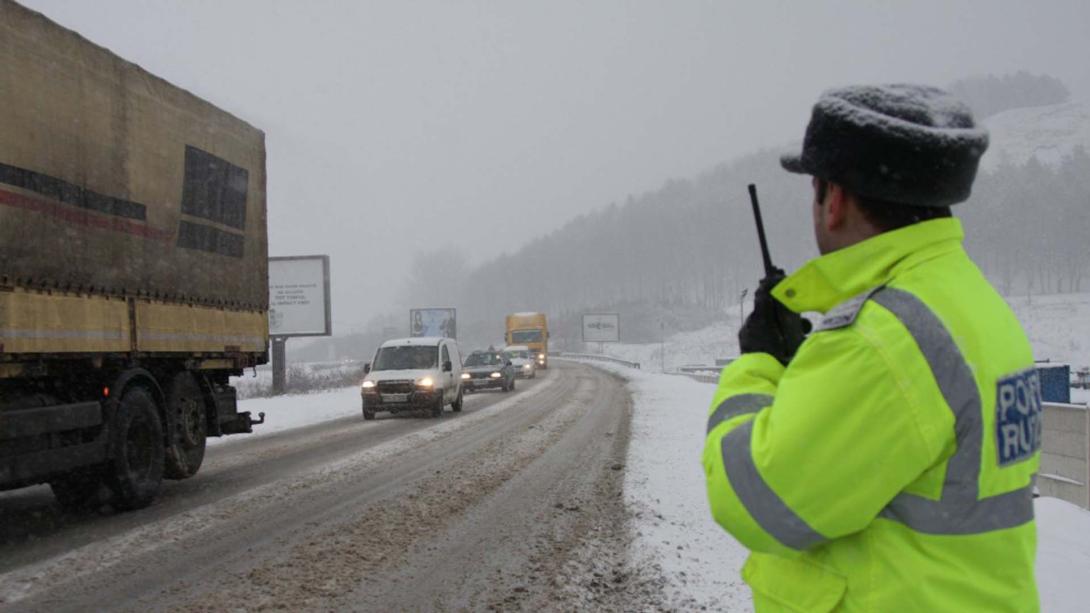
397 128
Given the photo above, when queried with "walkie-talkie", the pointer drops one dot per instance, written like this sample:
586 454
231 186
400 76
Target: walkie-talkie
770 270
790 325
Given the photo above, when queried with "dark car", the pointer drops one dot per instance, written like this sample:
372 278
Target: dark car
488 369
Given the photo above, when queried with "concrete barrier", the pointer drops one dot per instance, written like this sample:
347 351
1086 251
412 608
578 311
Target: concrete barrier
1065 454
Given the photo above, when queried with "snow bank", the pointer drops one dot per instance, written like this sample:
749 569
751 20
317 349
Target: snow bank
664 491
1063 556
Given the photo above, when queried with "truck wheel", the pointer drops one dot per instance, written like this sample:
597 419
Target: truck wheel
456 406
437 408
136 447
368 414
77 491
189 433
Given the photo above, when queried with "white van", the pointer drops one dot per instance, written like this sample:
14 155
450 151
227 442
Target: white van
413 374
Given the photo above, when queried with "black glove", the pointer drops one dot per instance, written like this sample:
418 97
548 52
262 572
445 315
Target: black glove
772 328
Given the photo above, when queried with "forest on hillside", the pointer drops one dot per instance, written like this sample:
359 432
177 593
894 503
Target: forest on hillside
679 257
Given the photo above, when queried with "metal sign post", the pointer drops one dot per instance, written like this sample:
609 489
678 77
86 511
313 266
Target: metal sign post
279 364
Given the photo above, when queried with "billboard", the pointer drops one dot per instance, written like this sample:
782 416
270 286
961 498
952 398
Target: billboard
601 327
433 322
299 296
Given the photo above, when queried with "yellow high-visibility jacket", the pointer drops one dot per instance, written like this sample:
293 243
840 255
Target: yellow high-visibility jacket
890 465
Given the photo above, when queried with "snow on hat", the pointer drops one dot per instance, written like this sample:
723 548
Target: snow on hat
909 144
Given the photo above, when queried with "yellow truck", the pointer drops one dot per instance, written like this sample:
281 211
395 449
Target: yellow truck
530 329
133 268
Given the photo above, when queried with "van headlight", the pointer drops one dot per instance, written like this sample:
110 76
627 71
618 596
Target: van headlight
495 375
426 382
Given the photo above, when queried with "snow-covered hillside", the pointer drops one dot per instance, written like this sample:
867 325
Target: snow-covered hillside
1047 132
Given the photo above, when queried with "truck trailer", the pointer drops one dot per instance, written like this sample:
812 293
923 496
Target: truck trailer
133 268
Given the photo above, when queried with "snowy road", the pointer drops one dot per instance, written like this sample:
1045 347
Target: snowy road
515 503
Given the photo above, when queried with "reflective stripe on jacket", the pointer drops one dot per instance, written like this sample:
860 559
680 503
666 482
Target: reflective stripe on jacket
890 466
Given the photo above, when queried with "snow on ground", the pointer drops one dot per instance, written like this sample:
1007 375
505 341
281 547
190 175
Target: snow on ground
1063 555
664 488
1058 327
702 346
1046 132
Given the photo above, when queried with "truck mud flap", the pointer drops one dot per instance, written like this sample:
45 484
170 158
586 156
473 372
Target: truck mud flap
228 419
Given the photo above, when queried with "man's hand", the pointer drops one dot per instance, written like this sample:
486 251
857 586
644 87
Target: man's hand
772 328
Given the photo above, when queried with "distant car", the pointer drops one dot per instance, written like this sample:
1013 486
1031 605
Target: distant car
488 369
413 374
523 360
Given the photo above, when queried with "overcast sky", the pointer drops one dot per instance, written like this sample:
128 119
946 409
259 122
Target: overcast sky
399 126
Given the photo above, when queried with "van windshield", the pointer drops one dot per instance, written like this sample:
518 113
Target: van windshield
406 358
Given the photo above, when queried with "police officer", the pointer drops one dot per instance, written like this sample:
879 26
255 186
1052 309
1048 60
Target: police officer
886 461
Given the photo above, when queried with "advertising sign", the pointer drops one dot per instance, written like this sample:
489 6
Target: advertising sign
432 322
601 327
299 296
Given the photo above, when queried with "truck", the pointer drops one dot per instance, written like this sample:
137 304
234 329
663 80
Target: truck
133 269
531 330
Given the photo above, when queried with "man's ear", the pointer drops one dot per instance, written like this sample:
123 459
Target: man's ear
836 207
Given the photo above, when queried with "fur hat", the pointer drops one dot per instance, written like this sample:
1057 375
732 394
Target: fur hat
909 144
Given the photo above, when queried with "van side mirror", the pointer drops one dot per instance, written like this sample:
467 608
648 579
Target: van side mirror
448 366
367 368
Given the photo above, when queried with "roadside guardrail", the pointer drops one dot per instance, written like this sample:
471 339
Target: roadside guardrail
700 370
596 357
1065 453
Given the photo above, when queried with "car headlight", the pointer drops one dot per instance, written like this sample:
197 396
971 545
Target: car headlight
465 376
495 375
526 367
368 385
426 382
541 356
